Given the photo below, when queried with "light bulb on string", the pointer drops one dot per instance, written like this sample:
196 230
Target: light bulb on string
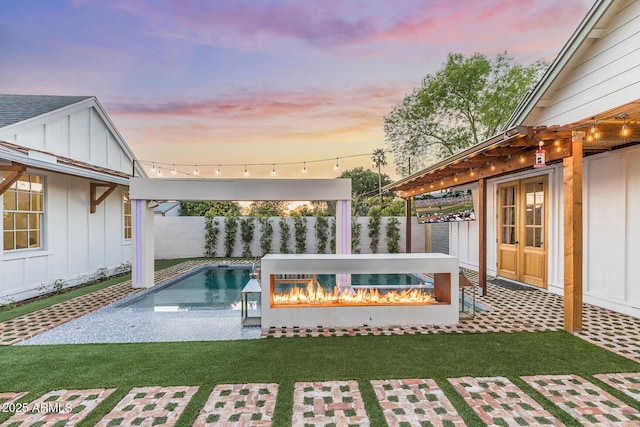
218 171
624 131
246 172
273 170
304 168
153 167
196 171
173 170
337 166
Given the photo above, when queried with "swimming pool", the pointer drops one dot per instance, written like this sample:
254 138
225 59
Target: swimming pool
216 288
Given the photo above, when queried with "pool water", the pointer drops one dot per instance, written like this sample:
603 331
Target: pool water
209 289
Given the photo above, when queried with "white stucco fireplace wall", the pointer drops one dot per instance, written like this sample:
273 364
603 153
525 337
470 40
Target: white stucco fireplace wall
444 267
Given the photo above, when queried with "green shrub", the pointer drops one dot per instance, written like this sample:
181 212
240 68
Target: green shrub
230 227
393 235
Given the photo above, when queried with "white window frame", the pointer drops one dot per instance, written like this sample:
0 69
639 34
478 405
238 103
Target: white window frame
11 191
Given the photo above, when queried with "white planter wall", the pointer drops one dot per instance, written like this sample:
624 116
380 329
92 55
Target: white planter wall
183 237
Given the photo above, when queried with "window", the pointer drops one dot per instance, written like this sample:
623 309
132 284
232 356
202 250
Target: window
23 212
126 204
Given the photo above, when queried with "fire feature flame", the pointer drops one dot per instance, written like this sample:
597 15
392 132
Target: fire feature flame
314 294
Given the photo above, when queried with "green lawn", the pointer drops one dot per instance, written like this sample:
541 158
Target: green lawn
44 368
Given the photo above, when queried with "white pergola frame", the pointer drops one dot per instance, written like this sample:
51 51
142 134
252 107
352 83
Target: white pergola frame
143 190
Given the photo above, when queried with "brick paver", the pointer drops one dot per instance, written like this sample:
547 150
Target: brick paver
410 402
239 405
584 401
60 407
497 401
629 383
147 406
9 397
328 403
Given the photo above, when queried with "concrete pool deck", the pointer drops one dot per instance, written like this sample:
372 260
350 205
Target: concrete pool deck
512 311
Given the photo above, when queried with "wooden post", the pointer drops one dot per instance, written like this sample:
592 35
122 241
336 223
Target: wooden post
407 210
482 234
573 237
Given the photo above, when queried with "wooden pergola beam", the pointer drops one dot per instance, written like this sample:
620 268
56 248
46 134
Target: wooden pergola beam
95 201
573 237
16 173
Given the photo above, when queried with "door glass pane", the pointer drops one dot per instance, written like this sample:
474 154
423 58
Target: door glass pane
538 237
529 236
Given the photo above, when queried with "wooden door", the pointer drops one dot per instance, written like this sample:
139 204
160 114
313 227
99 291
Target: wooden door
522 219
507 230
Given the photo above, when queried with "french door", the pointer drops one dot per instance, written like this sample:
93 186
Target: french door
522 230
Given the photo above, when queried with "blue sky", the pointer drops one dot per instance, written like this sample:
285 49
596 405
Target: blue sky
274 82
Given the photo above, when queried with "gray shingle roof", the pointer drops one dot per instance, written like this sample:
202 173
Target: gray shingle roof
16 108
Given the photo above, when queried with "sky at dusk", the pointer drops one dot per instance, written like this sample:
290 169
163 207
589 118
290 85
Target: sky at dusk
263 81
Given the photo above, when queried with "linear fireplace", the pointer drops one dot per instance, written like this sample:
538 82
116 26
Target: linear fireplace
328 290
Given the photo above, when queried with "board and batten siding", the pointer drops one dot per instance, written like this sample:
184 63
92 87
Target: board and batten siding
75 243
611 204
80 134
604 77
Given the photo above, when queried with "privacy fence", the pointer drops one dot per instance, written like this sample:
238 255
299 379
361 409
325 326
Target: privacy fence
185 236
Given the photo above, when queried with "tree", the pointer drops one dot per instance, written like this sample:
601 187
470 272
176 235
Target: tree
217 208
268 208
378 158
467 101
364 183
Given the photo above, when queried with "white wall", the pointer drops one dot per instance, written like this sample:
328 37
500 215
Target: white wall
76 243
603 76
183 237
611 203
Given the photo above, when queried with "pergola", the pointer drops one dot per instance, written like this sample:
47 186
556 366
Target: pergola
145 190
513 151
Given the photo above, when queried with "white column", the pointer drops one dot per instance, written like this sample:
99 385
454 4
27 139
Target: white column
343 227
142 265
343 240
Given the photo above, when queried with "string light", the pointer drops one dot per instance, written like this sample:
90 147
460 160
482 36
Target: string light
624 131
177 168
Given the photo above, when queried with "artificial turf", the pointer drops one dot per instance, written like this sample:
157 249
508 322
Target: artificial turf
39 369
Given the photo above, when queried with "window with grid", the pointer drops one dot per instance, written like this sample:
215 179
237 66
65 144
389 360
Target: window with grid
23 212
126 205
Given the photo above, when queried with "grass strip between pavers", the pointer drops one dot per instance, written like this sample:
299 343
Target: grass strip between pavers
39 369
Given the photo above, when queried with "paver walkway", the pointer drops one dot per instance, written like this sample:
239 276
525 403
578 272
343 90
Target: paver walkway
404 402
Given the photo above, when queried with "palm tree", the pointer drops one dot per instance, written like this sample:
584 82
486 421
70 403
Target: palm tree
378 159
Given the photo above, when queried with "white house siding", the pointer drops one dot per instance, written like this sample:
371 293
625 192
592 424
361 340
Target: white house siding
604 76
80 133
183 237
611 230
76 243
